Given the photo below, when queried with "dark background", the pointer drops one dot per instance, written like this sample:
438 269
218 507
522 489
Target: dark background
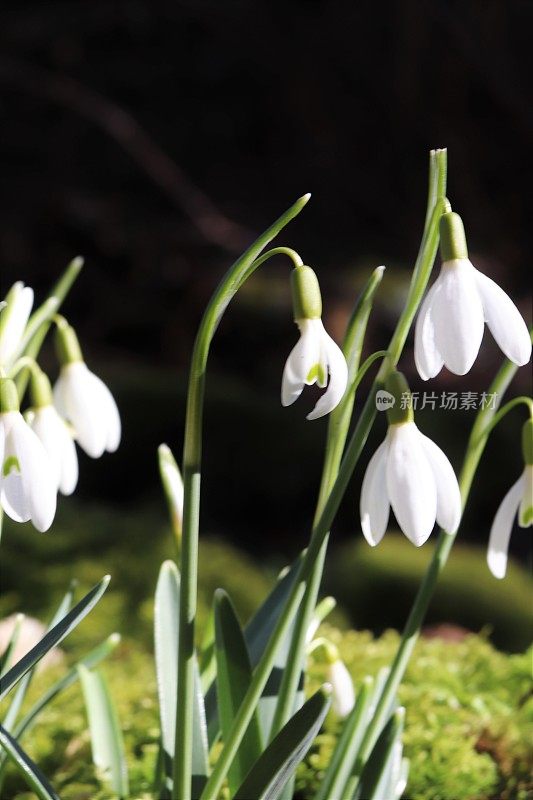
158 138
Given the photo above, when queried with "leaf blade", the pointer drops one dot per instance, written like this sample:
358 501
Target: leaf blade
106 737
233 677
55 635
269 775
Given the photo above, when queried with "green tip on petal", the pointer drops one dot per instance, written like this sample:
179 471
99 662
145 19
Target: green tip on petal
9 399
11 464
525 518
452 237
527 442
401 410
306 297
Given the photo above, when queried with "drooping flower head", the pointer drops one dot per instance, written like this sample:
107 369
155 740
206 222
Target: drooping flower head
450 325
54 433
27 486
14 317
315 358
410 473
83 399
518 500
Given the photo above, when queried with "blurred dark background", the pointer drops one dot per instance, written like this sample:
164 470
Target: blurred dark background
158 138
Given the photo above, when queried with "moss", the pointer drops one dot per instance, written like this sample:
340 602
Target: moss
468 726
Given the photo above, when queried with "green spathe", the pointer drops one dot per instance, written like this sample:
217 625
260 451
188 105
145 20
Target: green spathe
9 399
527 442
452 237
306 297
402 409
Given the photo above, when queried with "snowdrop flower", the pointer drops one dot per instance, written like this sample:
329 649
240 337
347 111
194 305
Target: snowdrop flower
410 473
54 433
27 486
342 691
450 325
172 485
83 399
518 500
13 320
315 357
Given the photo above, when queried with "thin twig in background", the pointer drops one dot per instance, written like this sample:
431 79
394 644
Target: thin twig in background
120 125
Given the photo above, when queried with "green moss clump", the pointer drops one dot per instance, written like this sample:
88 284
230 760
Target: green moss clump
469 721
469 716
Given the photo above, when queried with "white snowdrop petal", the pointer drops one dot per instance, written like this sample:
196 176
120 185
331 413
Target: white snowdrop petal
42 423
12 496
448 493
37 475
374 503
15 324
304 354
338 378
504 320
111 416
59 395
458 316
500 533
83 407
342 694
69 466
428 359
410 483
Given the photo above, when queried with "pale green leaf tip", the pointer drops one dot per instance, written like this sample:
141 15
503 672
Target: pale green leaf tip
326 690
77 262
114 639
169 566
220 596
105 580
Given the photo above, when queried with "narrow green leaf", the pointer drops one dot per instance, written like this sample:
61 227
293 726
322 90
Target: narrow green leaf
166 630
22 688
343 757
371 784
32 344
53 637
277 764
233 675
31 772
7 655
256 634
92 658
106 737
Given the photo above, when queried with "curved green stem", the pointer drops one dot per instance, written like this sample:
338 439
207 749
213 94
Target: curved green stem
25 362
341 416
516 401
474 451
39 322
192 454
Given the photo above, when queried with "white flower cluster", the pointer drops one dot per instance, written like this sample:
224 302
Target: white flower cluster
408 472
37 451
